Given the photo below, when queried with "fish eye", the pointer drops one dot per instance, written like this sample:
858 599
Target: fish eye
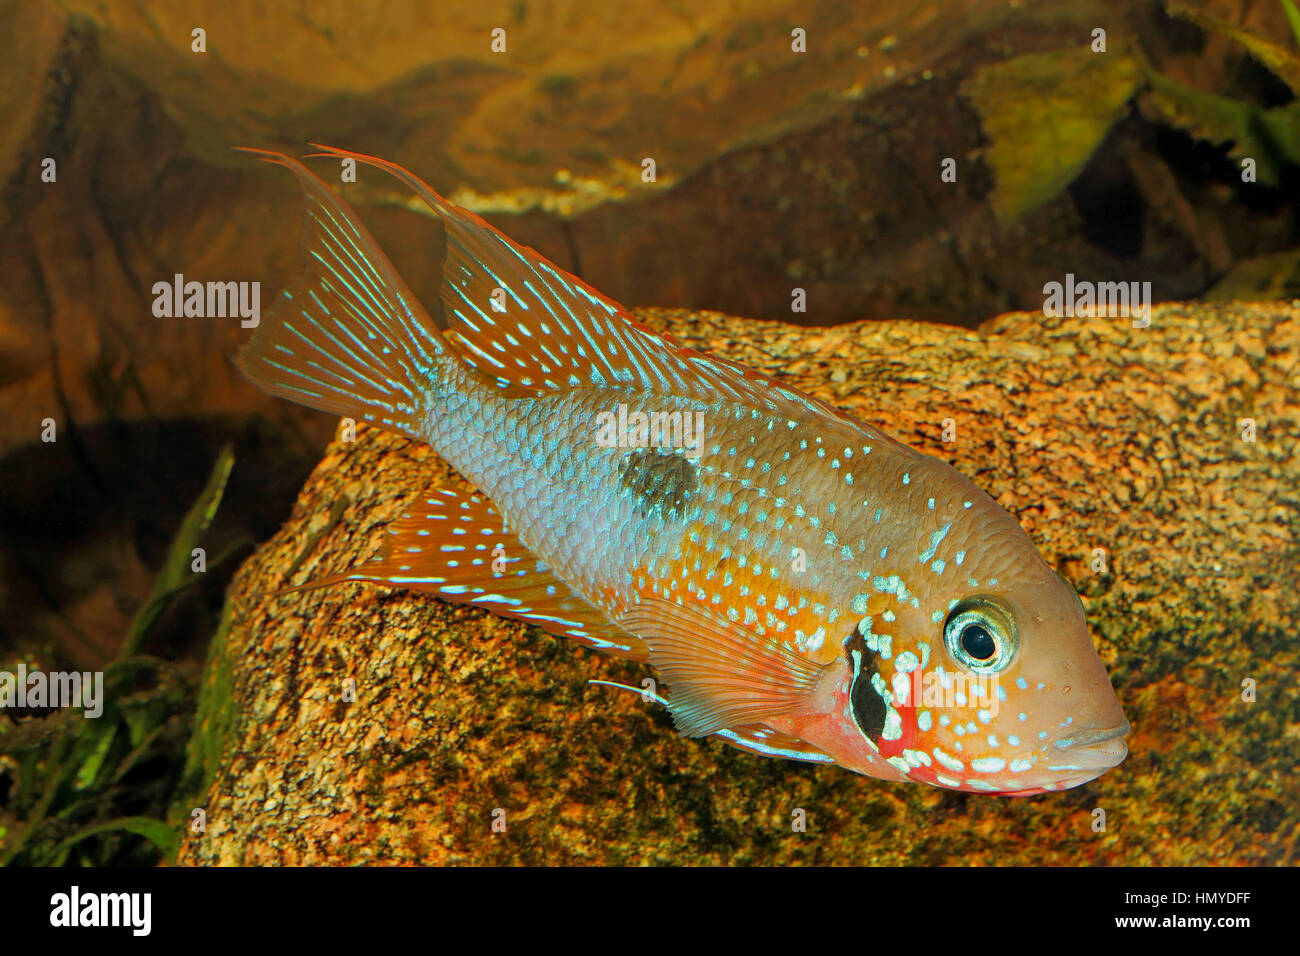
981 635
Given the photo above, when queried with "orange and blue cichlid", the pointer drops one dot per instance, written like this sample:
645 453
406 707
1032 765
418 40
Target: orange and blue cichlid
806 586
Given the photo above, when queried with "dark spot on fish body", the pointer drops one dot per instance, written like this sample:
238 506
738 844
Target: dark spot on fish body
868 707
662 482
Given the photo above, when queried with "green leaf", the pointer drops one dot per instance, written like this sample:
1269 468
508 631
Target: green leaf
1283 62
1270 137
102 741
176 575
1045 114
155 831
1261 279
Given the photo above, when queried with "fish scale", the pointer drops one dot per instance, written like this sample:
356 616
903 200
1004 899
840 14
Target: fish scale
806 586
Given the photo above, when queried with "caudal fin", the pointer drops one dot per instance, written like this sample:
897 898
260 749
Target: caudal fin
348 336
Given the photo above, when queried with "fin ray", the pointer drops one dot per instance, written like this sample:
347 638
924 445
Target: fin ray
348 336
721 675
447 543
593 341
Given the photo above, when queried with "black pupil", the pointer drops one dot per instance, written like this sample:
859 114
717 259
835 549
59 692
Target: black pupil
978 643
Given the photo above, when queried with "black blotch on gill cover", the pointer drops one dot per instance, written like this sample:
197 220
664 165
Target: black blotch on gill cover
662 481
867 705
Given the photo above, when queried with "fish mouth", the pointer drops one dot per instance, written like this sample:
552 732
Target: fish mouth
1089 749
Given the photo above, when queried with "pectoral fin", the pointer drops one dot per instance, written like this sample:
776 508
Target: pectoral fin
721 674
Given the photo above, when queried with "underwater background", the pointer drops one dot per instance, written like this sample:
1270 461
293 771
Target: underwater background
919 170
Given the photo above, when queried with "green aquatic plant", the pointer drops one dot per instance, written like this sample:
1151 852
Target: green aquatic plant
92 792
1045 114
1292 17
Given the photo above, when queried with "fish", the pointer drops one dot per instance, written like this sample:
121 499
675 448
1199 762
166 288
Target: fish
805 586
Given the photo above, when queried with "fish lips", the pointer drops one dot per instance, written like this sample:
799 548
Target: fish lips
1089 749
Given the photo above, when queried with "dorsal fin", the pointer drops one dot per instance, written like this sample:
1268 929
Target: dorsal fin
559 332
454 544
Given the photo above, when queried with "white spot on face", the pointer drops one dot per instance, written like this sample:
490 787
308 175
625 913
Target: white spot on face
1022 683
917 758
952 763
923 720
815 642
898 763
935 540
906 663
1021 764
988 765
947 781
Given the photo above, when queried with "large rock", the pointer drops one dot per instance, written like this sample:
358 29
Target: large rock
1095 434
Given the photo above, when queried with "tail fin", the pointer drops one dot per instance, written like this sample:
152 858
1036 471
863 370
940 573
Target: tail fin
347 337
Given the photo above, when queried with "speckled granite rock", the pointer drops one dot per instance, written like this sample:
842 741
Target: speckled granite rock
1094 434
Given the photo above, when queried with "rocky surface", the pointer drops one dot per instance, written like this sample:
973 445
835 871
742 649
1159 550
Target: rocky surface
1093 433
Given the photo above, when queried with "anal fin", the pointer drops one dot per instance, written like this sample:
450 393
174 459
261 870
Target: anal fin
454 544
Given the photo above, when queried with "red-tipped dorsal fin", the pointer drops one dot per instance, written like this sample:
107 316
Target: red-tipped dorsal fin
558 332
720 675
453 544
